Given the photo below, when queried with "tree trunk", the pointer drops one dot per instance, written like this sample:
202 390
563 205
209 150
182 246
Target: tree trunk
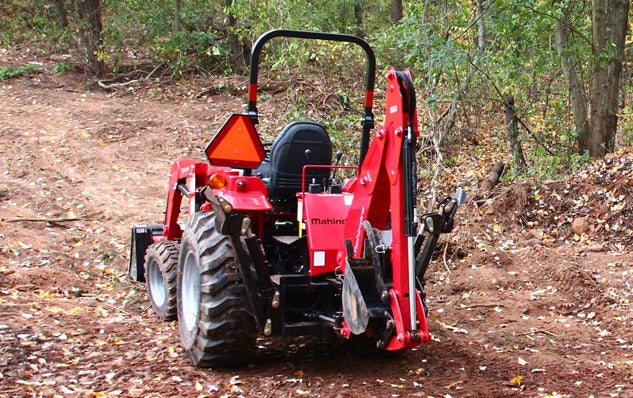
396 11
62 13
358 18
177 20
481 25
512 123
577 97
609 24
90 14
493 177
239 53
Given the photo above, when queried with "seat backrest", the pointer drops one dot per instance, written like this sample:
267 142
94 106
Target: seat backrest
299 144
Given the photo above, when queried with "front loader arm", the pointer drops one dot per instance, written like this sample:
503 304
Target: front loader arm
197 171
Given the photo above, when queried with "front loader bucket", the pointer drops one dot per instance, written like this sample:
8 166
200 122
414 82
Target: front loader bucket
141 238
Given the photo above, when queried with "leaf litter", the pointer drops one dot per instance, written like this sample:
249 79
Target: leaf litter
534 286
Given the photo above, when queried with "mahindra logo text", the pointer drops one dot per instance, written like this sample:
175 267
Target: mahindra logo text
326 221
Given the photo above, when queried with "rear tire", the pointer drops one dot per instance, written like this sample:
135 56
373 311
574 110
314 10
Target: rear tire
216 322
161 271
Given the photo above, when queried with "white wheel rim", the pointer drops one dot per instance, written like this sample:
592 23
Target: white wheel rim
190 289
157 285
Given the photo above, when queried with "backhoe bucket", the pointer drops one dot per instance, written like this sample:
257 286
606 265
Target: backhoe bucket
354 307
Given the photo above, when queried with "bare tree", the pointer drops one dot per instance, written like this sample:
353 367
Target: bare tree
577 97
396 11
240 54
481 24
609 24
62 13
596 111
90 14
512 123
358 18
177 20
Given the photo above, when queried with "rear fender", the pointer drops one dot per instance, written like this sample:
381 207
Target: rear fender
244 193
190 176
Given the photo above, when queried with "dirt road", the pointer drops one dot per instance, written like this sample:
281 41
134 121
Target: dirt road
519 306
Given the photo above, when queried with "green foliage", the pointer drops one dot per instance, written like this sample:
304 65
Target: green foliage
437 40
148 28
626 124
185 49
63 66
547 166
257 16
18 71
29 20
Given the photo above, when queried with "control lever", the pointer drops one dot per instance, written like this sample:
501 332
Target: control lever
337 157
334 186
337 161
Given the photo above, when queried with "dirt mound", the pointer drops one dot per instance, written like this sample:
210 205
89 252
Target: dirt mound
592 208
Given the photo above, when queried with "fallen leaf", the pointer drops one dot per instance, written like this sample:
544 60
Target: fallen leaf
74 311
48 295
235 380
453 328
604 333
116 341
24 373
453 384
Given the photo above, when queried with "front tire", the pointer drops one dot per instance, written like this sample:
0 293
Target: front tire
216 322
161 269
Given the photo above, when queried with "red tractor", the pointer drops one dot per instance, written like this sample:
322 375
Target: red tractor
276 245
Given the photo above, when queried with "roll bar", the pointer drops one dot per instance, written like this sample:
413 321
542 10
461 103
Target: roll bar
367 121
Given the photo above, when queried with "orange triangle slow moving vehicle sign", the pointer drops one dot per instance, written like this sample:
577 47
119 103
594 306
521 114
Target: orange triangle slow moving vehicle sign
236 145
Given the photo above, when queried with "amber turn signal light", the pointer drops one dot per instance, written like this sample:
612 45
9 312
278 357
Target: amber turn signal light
217 181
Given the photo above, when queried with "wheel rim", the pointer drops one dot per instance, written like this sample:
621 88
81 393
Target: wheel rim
156 285
190 292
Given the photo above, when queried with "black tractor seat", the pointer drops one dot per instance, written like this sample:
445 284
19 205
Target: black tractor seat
299 144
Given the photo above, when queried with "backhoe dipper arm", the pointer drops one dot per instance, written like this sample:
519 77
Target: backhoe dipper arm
385 191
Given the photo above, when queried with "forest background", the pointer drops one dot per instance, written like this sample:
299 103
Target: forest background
543 85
